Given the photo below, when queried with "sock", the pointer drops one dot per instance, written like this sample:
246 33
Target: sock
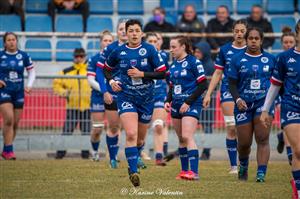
289 153
194 160
8 148
280 136
140 149
296 175
112 145
262 169
244 162
95 145
165 148
232 151
132 156
158 156
183 154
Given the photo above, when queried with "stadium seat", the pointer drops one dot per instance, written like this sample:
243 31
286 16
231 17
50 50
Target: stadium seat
36 6
279 22
129 7
198 4
105 7
65 49
93 47
39 49
98 24
10 23
38 23
171 17
280 7
168 5
71 23
244 6
1 43
277 45
212 5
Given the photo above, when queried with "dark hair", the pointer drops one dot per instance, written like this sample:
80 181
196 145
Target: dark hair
132 22
183 40
240 21
7 34
261 33
150 34
160 9
257 6
224 6
79 51
297 27
287 31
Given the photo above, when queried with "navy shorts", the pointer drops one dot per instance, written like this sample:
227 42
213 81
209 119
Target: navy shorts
289 115
16 97
97 102
193 111
226 97
159 101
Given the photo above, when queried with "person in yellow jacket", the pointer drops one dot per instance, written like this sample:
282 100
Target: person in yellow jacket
77 93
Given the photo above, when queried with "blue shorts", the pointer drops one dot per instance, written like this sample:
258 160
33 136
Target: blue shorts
226 97
254 110
159 101
97 102
193 111
289 115
144 109
16 97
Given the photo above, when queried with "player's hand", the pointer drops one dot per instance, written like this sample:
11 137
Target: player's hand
28 90
167 106
115 85
241 104
184 107
134 72
266 119
2 84
206 101
108 99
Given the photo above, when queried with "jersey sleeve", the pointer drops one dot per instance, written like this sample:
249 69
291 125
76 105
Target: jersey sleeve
233 68
101 79
28 64
91 67
278 72
157 60
165 59
198 71
111 61
220 60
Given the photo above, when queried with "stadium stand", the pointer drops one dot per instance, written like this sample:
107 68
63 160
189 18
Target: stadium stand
98 24
168 5
10 23
93 47
244 6
36 6
38 23
65 49
279 22
105 7
130 7
198 4
280 7
39 49
213 4
66 23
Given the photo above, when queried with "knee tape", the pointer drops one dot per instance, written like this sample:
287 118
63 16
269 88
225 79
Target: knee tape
98 124
229 121
157 122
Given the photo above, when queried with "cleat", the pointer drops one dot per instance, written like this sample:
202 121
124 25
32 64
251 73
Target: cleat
233 170
204 156
141 164
260 177
181 175
171 156
8 155
135 179
280 145
190 175
294 189
85 154
114 164
243 173
60 154
95 156
160 163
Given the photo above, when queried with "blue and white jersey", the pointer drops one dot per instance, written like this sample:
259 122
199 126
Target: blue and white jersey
223 60
144 58
184 75
161 85
12 67
253 74
287 74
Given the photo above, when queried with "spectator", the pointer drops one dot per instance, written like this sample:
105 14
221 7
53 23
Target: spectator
190 23
256 19
222 23
78 5
159 24
202 52
77 92
13 7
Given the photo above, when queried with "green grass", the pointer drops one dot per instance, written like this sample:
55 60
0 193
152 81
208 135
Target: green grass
71 178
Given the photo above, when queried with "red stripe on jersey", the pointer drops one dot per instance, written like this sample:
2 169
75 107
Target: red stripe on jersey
99 64
162 68
29 67
107 67
91 74
201 78
219 67
275 81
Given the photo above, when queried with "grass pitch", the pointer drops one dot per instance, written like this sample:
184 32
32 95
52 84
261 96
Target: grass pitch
74 178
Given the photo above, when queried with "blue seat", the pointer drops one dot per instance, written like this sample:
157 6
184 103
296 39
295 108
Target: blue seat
171 18
37 23
39 49
10 23
65 49
72 23
105 7
98 24
198 4
212 5
168 4
129 7
280 7
1 43
244 6
93 47
279 22
36 6
277 45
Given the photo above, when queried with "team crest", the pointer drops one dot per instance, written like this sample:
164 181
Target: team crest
264 60
142 51
19 56
184 64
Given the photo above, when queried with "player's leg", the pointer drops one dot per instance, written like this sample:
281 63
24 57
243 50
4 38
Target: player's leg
288 148
97 127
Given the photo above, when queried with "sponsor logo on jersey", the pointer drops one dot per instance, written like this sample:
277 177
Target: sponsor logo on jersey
123 53
3 57
255 67
292 115
241 117
142 51
12 63
194 111
200 68
5 95
173 66
266 68
133 62
19 56
176 73
184 64
244 60
227 95
229 52
291 60
183 72
99 107
264 60
20 63
126 105
146 117
144 62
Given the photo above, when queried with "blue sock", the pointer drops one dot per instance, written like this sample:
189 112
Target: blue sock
262 169
95 145
165 148
244 162
183 154
289 152
158 156
112 145
194 159
140 149
231 146
131 156
280 136
8 148
296 176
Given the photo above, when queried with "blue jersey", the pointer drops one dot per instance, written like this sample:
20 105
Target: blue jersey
12 69
253 74
184 75
223 62
161 85
144 58
287 74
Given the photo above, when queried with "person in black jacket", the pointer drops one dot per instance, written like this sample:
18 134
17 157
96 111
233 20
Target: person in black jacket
256 19
222 23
